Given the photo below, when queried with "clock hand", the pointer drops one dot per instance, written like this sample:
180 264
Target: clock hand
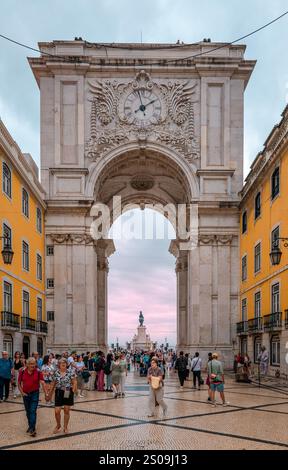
150 102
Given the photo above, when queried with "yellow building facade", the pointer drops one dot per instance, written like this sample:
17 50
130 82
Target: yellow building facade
263 319
23 325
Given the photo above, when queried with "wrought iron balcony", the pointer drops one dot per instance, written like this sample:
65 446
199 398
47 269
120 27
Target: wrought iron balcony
42 327
28 323
255 325
273 321
242 327
286 319
10 320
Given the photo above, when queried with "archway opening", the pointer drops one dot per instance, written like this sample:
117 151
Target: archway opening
142 278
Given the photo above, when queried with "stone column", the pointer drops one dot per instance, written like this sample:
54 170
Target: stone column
63 317
182 293
104 249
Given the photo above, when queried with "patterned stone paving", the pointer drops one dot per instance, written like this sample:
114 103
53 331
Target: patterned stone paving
255 419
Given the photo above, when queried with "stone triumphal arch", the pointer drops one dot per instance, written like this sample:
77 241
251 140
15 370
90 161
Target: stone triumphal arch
151 125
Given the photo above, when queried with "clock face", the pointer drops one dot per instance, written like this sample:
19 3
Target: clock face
142 107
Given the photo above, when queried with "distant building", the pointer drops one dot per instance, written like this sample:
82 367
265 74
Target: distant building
22 283
263 291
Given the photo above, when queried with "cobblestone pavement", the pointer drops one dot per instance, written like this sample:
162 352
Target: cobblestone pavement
255 419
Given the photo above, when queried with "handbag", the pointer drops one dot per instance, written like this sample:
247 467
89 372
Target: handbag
155 382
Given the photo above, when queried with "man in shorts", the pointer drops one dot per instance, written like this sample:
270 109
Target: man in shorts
216 377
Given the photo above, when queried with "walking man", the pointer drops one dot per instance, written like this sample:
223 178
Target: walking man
196 369
181 365
6 369
29 381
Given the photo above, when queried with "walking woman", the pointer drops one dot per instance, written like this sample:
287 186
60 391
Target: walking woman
116 375
107 371
80 366
155 380
17 365
47 371
65 385
123 364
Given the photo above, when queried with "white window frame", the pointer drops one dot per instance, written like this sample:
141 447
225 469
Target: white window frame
23 267
28 202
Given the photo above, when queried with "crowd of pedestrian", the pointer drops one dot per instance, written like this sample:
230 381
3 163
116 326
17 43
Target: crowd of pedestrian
68 376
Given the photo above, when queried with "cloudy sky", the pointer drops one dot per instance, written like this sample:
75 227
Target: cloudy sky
135 268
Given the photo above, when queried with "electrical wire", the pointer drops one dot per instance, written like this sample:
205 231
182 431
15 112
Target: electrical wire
171 46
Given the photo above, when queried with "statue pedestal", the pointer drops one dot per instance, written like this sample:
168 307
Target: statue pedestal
142 340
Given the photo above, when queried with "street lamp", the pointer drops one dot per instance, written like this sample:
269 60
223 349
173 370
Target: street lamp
7 252
276 253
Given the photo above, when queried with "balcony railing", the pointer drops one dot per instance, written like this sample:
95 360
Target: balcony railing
242 327
42 327
273 321
286 319
28 323
10 320
255 325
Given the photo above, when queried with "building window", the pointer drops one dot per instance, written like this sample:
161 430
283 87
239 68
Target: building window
257 305
50 316
243 346
25 202
39 267
275 350
50 283
275 183
6 179
26 346
7 288
8 345
25 256
257 348
244 222
275 234
39 220
26 304
39 309
40 346
257 258
244 309
275 296
7 234
244 268
257 206
50 250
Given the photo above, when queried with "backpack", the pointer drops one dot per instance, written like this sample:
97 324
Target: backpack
98 364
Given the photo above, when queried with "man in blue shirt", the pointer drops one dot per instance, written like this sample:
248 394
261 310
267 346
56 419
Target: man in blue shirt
6 369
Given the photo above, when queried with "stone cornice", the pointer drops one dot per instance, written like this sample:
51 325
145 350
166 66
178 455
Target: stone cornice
274 145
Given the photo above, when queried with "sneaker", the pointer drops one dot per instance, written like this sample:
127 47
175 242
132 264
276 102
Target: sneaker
115 395
226 403
28 430
14 396
81 396
33 433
